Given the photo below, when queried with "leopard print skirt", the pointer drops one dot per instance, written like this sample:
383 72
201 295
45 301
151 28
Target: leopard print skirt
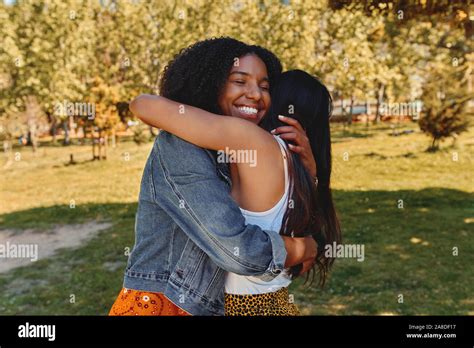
277 303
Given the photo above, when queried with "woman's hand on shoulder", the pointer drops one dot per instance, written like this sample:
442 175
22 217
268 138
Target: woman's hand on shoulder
295 133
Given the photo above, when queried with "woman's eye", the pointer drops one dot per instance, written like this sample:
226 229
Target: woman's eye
240 82
266 88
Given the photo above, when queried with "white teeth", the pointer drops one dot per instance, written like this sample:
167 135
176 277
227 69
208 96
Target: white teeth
248 110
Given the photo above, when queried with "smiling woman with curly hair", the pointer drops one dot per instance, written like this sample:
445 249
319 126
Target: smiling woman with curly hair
198 73
190 233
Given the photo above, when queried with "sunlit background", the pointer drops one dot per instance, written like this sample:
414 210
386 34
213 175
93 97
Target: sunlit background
400 73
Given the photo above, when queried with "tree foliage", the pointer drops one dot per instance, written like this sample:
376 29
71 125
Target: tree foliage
105 52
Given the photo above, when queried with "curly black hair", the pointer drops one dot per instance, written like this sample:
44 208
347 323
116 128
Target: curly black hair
196 75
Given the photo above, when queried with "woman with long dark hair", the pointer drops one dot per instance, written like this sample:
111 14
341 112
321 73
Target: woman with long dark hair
304 98
275 191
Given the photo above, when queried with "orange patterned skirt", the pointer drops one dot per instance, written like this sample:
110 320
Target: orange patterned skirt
135 302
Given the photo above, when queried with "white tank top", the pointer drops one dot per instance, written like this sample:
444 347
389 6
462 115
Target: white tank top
270 220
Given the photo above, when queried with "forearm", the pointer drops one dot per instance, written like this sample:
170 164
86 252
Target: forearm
150 109
298 250
200 127
189 123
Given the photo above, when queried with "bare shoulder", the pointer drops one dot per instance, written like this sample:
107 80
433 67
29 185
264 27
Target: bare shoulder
262 149
261 175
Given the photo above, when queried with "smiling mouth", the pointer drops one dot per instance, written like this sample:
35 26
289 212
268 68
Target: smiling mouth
248 111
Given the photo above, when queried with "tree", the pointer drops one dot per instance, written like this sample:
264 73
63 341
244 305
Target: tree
103 53
42 54
351 65
11 125
445 99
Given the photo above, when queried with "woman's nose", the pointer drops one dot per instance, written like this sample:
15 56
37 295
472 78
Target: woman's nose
253 92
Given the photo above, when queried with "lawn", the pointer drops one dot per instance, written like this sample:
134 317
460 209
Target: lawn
409 208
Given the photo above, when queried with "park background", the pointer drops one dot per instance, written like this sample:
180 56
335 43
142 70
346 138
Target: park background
400 73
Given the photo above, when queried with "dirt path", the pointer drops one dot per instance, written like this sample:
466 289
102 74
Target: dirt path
24 247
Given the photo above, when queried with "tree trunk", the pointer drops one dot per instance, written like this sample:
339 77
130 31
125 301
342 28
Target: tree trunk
7 149
84 135
72 129
343 111
93 143
434 144
53 131
114 139
367 112
351 110
7 146
66 140
32 114
53 121
106 140
380 94
100 144
31 137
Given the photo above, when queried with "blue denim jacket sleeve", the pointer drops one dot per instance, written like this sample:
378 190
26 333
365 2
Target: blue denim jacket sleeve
188 187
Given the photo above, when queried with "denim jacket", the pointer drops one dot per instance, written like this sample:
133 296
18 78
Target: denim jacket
189 231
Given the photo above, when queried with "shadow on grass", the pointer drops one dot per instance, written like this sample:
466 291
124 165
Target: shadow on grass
93 273
383 157
346 135
340 134
408 251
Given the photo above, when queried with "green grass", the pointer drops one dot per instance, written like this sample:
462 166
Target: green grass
408 251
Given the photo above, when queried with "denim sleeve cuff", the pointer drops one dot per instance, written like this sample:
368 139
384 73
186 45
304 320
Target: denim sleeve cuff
277 265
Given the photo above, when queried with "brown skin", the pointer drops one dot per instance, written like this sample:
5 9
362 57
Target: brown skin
300 250
247 85
295 133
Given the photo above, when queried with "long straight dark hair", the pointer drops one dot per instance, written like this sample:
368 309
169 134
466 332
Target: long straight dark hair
310 209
